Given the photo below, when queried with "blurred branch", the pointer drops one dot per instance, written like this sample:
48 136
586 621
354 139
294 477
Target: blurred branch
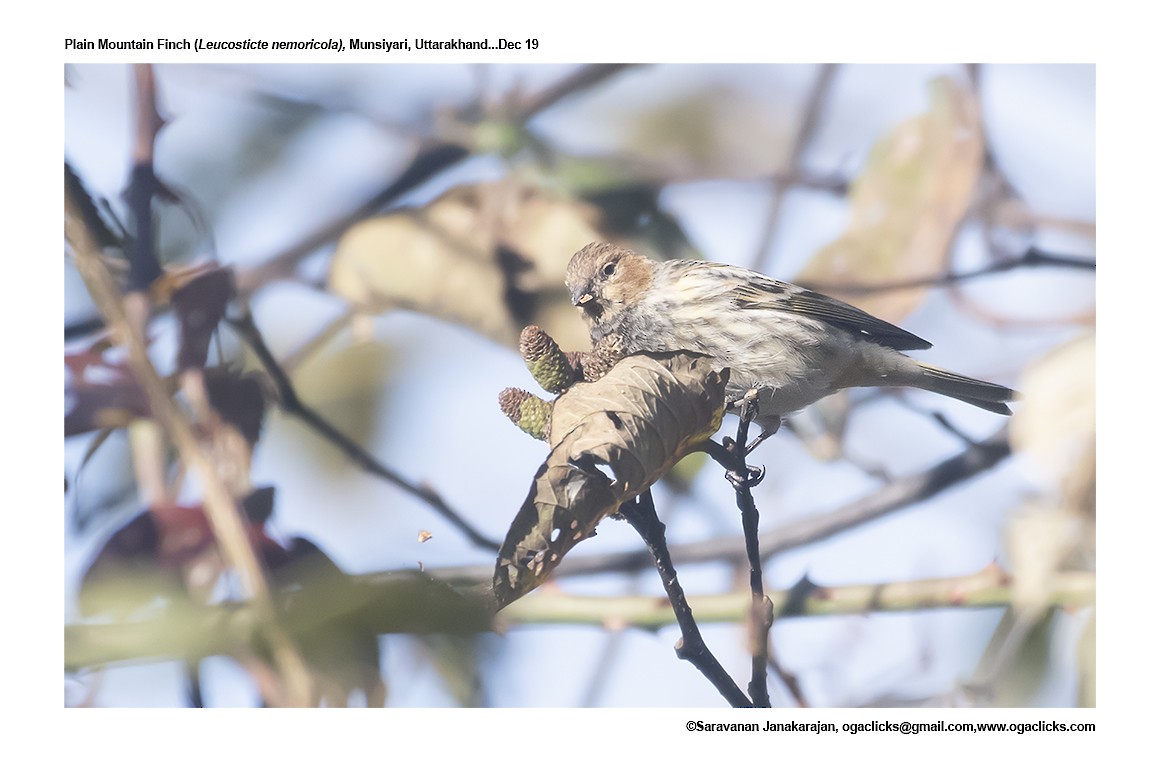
426 164
582 79
430 160
811 116
221 509
888 499
144 267
988 588
1032 258
788 679
404 603
292 405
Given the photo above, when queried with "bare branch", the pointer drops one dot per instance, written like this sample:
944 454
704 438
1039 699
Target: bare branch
1032 258
221 509
198 631
290 402
642 515
811 116
886 500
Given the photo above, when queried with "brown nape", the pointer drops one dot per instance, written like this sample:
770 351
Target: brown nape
633 281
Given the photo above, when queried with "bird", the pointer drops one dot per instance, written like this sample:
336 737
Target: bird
785 346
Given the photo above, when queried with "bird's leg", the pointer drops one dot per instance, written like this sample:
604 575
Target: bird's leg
747 410
769 426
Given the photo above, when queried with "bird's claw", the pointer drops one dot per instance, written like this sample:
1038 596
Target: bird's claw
751 478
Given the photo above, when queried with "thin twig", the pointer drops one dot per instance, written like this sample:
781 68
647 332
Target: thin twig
582 79
761 609
426 164
288 397
811 117
144 267
642 515
1032 258
787 678
429 161
888 499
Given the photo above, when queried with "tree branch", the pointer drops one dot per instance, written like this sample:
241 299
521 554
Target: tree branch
887 499
1032 258
808 125
403 603
642 515
429 161
761 609
221 509
292 405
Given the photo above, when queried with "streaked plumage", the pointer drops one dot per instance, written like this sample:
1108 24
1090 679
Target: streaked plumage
792 344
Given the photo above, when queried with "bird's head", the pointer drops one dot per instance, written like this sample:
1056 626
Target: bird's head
604 280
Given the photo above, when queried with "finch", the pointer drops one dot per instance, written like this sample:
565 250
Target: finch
788 345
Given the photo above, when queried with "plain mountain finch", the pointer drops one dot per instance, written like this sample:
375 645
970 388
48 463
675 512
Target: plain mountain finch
791 345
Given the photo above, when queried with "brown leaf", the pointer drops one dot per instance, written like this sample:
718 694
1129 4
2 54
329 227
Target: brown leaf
1056 423
637 421
239 400
200 304
906 204
102 394
488 256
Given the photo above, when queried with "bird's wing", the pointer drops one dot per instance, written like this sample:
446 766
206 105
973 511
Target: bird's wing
758 291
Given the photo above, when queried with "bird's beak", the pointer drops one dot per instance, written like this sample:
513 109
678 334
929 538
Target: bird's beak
581 297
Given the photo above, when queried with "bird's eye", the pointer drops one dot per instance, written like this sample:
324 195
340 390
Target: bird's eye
609 268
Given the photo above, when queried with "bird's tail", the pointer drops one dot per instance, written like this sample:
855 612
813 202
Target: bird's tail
988 396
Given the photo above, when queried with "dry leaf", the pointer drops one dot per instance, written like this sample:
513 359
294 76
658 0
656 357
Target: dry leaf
402 262
489 256
637 421
711 131
906 204
1056 423
1055 428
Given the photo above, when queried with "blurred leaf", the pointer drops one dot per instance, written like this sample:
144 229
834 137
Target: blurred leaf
456 659
200 304
1055 427
682 474
402 262
1056 422
342 653
348 384
710 131
632 216
1041 539
637 421
126 573
1086 663
103 394
488 256
238 400
906 205
1021 651
156 553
